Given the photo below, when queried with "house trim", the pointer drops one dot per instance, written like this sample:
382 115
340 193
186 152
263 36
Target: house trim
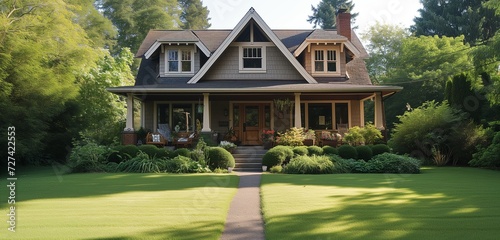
251 14
343 42
157 45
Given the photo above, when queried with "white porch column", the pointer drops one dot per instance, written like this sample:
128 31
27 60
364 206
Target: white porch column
129 126
379 111
206 113
298 119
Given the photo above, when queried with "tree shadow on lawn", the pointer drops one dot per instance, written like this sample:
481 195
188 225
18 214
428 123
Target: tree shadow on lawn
45 183
444 203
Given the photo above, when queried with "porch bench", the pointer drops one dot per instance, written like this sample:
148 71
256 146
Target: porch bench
184 140
156 139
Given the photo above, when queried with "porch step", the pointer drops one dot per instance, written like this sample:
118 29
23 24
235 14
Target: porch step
249 158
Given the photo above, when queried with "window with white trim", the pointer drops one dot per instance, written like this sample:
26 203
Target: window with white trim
179 61
325 64
252 59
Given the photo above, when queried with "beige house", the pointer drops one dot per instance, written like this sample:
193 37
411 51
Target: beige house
215 80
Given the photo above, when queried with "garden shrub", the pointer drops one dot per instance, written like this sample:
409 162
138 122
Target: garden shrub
292 137
89 157
371 134
352 166
277 169
309 165
111 167
329 150
220 158
354 136
115 155
163 153
300 151
142 163
392 163
181 152
364 153
150 150
347 152
129 152
277 156
315 150
488 157
465 140
182 164
379 149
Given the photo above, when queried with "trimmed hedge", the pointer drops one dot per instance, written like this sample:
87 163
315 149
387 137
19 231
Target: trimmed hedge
300 151
129 152
364 153
181 152
315 150
379 149
309 165
277 156
383 163
348 152
150 150
220 158
329 150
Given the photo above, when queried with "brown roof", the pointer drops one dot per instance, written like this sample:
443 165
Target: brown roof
212 39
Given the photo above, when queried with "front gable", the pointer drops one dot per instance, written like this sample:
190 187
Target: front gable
252 51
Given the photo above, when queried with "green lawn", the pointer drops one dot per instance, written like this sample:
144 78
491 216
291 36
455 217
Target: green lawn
119 206
440 203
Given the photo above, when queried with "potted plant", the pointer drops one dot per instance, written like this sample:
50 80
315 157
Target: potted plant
309 137
268 138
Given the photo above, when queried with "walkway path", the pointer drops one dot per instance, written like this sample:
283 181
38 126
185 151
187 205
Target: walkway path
244 220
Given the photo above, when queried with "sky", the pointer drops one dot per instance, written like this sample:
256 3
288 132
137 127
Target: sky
293 14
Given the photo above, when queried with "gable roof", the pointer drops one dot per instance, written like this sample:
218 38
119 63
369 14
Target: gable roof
251 14
148 46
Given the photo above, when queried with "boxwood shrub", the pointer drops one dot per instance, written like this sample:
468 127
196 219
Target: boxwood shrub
392 163
364 153
277 156
348 152
220 158
129 151
300 151
180 152
315 150
150 150
329 150
379 149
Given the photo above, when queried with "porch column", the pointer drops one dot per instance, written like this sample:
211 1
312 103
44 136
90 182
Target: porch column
379 111
298 119
129 126
206 113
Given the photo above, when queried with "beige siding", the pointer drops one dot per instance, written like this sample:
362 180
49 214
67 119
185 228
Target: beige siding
355 113
227 67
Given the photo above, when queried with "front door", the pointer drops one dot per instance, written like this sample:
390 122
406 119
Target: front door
254 118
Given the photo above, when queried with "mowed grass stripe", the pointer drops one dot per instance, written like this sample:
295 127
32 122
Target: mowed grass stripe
440 203
128 206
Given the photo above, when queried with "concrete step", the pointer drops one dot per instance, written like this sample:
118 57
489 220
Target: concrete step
249 158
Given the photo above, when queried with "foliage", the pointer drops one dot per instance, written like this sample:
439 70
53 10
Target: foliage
392 163
283 105
348 152
194 15
129 151
276 169
379 149
371 134
89 157
182 164
342 165
181 152
310 134
426 126
277 156
329 150
324 14
115 154
300 150
309 165
364 153
220 158
150 150
488 157
454 18
464 140
460 95
354 136
142 163
314 150
292 137
227 145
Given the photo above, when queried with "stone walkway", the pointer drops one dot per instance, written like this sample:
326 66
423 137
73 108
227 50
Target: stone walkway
244 220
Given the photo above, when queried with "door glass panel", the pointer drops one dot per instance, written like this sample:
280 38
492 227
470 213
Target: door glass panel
236 116
252 116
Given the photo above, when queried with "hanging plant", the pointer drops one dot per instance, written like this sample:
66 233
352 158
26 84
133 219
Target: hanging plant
283 105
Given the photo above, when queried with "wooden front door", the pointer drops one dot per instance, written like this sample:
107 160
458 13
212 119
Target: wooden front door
252 120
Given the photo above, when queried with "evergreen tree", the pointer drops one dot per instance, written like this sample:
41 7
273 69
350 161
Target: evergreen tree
324 15
194 15
454 18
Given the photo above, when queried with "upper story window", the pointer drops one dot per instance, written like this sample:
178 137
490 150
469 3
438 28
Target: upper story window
325 61
179 61
252 58
252 43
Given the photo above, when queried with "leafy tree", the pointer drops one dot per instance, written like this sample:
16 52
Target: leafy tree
194 15
134 18
324 15
454 18
41 50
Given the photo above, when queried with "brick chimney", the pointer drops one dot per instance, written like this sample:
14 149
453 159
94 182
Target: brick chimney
344 23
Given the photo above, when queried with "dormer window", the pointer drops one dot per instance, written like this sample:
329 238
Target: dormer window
325 61
252 43
179 61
